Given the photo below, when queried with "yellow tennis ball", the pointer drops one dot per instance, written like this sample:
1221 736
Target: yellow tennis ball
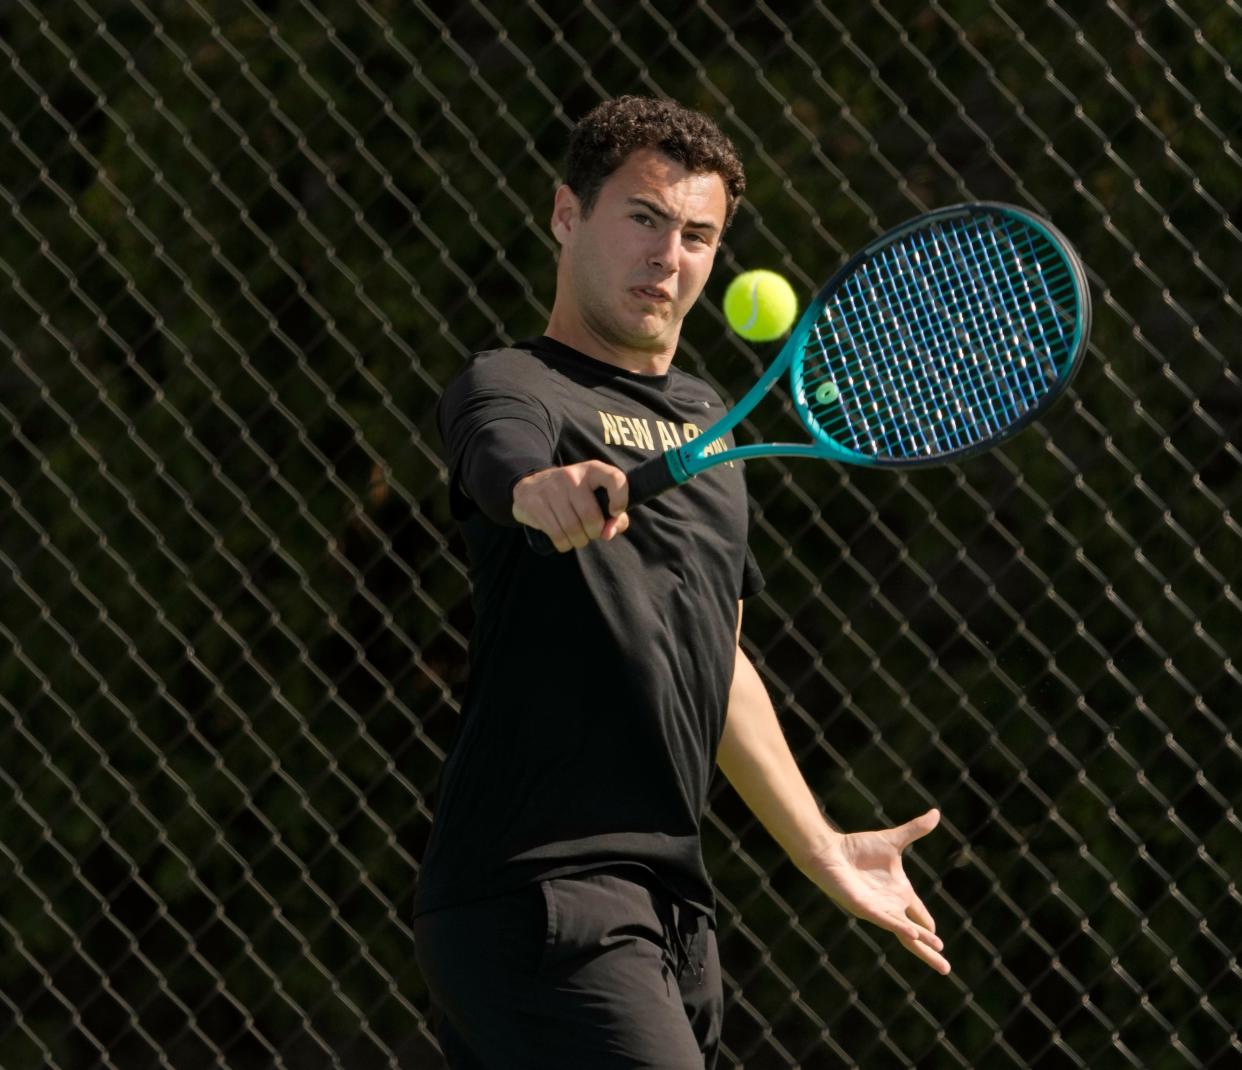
760 305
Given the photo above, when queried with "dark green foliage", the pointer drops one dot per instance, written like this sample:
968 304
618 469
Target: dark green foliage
246 245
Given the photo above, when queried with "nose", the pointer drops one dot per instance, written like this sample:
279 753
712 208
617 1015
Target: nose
664 250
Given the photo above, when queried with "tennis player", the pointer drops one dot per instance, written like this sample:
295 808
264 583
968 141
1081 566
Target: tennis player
564 917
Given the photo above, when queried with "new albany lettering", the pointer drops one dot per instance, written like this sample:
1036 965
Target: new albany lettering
636 431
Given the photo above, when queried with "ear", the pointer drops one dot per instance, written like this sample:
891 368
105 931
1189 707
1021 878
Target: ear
566 211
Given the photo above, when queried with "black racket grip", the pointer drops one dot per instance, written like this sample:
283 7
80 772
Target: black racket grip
649 479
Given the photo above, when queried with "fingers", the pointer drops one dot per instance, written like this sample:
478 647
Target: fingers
909 930
563 503
917 929
544 500
887 899
614 482
575 527
918 913
916 828
612 495
917 938
927 947
614 526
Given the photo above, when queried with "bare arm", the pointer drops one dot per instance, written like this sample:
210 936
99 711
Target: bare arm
861 871
757 761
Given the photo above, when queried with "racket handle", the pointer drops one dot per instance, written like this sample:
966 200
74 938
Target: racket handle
651 478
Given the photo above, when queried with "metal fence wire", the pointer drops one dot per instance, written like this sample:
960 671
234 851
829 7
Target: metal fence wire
244 248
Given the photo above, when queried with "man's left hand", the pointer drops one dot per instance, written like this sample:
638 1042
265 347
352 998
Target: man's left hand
862 873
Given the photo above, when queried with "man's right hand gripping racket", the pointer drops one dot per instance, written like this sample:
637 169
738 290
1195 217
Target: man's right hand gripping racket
940 339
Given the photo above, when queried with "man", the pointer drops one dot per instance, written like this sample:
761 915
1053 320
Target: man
564 917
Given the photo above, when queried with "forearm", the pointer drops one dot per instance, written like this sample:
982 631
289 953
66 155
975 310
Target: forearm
756 759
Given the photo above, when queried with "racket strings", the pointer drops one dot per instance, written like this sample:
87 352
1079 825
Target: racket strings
935 357
1011 373
931 360
941 340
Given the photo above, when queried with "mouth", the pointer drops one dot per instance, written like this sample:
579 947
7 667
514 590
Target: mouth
652 293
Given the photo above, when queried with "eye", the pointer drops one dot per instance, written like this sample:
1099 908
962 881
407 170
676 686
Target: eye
642 217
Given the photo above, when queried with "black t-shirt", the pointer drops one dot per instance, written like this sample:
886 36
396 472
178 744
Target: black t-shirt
599 678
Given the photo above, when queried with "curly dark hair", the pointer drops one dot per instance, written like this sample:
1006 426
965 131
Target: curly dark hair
607 134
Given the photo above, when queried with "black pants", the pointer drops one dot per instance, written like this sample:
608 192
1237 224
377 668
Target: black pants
600 970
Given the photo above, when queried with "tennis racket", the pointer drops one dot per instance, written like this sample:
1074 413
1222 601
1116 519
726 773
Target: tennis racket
939 340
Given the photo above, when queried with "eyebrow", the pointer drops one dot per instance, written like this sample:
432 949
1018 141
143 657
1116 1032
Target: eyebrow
656 210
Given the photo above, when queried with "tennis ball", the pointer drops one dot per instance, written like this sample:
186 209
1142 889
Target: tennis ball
760 305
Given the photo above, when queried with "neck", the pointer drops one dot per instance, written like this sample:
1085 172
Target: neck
569 328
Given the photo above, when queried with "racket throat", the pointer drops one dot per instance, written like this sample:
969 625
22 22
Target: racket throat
677 466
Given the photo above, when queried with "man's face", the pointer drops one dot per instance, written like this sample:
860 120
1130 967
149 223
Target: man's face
639 261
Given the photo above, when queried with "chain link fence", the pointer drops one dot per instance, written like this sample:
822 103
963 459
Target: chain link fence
245 246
